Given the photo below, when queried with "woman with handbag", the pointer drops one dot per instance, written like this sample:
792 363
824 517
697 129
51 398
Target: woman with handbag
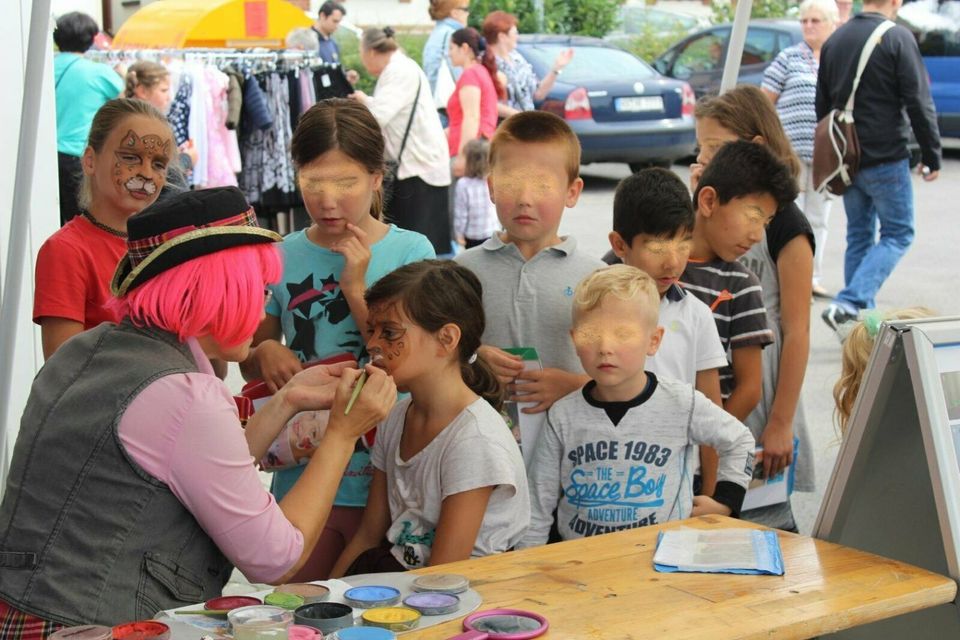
449 15
791 83
418 188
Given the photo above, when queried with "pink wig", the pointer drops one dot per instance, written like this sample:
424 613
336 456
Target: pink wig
220 294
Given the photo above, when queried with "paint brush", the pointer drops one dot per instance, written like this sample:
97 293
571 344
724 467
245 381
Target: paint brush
215 613
356 392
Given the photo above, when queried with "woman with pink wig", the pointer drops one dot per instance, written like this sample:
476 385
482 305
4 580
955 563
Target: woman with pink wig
132 487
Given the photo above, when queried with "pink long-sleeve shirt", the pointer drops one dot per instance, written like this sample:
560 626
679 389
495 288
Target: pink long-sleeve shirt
183 429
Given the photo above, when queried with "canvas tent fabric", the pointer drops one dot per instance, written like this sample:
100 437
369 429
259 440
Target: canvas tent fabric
236 24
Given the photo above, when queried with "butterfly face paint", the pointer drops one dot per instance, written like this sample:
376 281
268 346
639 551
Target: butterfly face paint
141 164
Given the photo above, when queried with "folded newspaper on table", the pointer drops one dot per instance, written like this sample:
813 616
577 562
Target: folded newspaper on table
750 551
525 426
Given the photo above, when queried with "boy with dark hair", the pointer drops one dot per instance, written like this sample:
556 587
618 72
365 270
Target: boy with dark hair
736 198
653 222
528 271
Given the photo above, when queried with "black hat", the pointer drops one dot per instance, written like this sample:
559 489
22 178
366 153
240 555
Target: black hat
182 227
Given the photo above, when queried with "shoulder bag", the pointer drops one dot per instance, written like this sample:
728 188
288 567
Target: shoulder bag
836 148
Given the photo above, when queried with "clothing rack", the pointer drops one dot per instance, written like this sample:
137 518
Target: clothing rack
253 59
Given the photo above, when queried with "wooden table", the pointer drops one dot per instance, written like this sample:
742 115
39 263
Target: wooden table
605 587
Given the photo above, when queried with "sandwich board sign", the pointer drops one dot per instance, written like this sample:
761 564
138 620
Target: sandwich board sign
895 488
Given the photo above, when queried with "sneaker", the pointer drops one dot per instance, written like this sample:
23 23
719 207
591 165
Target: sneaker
836 316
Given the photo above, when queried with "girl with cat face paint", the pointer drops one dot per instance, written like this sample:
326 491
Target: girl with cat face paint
124 169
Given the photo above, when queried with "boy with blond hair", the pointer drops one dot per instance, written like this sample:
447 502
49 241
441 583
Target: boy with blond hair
618 453
529 271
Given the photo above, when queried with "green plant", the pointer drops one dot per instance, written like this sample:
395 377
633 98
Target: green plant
411 43
650 42
583 17
724 10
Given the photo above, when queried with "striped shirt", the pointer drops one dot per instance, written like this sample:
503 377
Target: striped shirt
734 296
474 215
793 77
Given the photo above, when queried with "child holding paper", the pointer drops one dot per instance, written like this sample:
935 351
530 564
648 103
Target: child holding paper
448 481
617 454
529 271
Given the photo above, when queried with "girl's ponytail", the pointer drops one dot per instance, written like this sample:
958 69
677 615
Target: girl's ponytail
478 375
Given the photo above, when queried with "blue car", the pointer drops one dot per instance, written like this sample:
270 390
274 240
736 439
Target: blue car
699 57
621 109
937 29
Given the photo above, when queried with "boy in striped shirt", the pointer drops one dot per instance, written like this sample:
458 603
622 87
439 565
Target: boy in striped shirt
736 198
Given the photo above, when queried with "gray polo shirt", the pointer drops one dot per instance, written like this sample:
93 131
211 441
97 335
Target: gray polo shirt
528 303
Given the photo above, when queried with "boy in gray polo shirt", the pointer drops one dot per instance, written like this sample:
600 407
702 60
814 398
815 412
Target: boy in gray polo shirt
618 453
528 271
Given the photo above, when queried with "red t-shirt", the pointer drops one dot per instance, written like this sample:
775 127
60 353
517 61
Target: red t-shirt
476 76
74 269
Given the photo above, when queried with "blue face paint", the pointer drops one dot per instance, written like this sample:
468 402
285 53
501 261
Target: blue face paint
371 596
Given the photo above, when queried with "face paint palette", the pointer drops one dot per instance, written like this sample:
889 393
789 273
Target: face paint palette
309 592
371 596
288 601
226 603
433 603
364 633
392 618
327 617
144 630
441 583
84 632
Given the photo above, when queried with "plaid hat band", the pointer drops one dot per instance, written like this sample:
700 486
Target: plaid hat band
138 250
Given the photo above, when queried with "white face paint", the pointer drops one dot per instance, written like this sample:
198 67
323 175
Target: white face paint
139 183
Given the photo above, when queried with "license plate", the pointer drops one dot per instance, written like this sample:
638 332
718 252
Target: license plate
639 103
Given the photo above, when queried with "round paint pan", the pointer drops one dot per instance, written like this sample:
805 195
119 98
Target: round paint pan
228 603
441 583
433 603
303 632
143 630
392 618
83 632
327 617
368 597
289 601
252 621
306 590
364 633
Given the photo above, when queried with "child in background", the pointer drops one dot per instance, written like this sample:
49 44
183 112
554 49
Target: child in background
857 347
528 271
449 482
124 169
318 305
617 454
737 197
782 259
474 216
653 222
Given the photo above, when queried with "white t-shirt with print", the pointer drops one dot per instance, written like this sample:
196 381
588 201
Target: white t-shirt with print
690 340
475 450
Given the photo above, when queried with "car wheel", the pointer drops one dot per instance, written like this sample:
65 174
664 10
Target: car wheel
637 166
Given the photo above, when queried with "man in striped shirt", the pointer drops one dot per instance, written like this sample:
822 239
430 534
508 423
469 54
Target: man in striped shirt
736 198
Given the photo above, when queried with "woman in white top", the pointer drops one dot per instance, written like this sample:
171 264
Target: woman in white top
415 142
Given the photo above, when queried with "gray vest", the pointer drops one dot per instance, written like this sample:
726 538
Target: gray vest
86 535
